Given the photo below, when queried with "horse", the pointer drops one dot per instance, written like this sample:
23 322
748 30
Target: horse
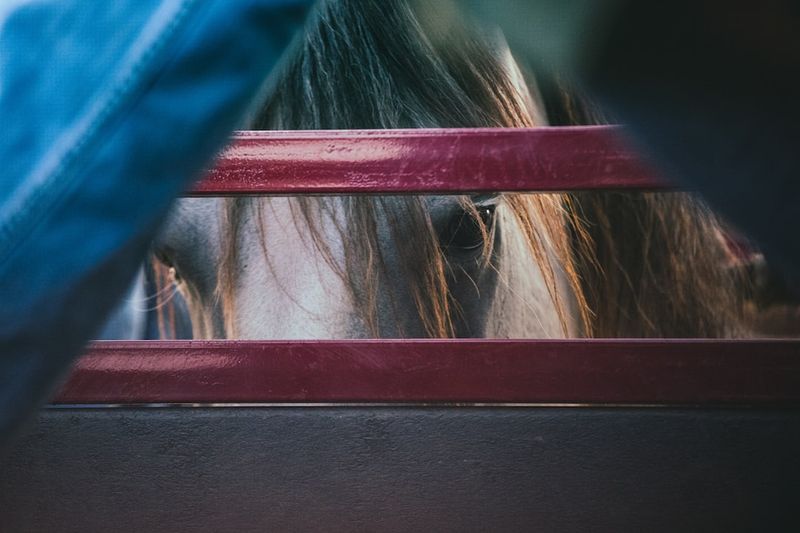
502 265
151 309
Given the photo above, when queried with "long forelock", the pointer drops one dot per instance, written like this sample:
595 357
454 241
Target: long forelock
363 264
462 83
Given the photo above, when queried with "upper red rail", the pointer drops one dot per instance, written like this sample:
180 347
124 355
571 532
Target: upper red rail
497 371
427 161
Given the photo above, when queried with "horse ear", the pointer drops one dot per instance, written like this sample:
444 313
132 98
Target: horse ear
523 81
525 84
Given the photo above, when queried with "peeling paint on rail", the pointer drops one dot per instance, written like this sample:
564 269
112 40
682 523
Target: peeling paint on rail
427 161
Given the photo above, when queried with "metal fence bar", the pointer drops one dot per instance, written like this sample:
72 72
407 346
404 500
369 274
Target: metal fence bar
427 161
528 371
659 372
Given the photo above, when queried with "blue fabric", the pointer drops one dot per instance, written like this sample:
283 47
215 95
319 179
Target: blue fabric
108 110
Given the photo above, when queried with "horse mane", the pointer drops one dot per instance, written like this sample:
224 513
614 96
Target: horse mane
657 263
638 265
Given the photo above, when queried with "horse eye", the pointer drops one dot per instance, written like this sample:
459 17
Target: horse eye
170 271
466 231
173 275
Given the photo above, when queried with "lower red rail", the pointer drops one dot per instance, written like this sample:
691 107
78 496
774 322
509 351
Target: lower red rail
517 371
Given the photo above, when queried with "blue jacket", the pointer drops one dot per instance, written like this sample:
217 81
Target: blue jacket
108 110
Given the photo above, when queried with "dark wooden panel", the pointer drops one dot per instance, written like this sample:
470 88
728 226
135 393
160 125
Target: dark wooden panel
404 469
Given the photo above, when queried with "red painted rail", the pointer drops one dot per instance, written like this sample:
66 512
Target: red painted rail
427 161
517 371
529 371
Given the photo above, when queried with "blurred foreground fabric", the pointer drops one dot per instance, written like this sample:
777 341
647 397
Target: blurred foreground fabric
108 111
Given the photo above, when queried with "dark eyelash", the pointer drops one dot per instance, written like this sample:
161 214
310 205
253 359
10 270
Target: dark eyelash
466 232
